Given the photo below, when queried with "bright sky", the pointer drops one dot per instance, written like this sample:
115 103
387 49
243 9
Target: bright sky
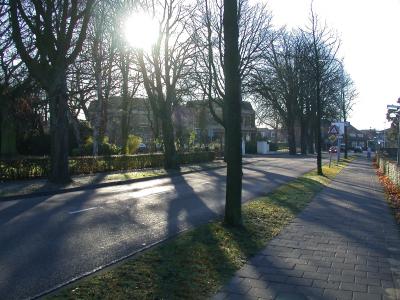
370 35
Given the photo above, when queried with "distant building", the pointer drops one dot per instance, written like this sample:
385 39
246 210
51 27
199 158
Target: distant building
355 137
139 116
215 131
193 116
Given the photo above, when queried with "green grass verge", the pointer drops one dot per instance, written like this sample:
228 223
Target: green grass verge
197 263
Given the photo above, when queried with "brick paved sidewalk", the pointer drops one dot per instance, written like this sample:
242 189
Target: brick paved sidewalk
344 245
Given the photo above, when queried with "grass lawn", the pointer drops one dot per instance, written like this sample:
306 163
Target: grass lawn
197 263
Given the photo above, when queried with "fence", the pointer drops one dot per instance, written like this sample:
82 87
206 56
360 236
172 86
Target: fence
388 167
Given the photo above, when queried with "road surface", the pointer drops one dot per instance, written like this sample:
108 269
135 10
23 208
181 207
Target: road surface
47 241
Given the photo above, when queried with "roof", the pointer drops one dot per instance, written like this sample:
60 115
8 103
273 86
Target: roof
245 104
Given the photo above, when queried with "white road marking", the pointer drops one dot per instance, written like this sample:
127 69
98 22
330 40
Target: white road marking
82 210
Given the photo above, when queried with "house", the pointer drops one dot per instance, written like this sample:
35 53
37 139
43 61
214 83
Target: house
355 137
193 116
203 120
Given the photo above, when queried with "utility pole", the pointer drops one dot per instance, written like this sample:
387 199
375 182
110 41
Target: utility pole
394 113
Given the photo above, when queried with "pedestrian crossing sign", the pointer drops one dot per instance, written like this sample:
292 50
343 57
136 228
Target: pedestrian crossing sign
333 130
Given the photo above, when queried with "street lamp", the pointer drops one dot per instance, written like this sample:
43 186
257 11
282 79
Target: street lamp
394 112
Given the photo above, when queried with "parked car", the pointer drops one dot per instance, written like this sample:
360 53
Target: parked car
358 149
142 148
333 149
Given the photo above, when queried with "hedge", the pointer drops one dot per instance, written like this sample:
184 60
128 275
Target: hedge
37 167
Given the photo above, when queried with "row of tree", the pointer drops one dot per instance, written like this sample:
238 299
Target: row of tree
302 82
57 57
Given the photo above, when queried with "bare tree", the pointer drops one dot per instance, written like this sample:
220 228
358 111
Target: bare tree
254 36
348 94
57 30
102 51
11 74
324 45
164 69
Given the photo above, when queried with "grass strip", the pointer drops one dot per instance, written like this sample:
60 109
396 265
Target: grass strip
197 263
17 188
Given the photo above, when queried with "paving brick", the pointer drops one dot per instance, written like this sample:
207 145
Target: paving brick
254 283
329 271
262 293
343 266
366 268
369 281
376 290
294 273
387 283
271 270
249 273
296 261
279 264
320 263
382 276
274 278
306 268
236 288
315 275
353 287
312 292
365 296
241 297
277 287
337 294
354 273
299 281
340 278
326 284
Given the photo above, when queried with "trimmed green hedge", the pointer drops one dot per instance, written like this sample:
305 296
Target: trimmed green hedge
36 167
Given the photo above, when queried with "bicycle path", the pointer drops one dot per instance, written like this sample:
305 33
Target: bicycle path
344 245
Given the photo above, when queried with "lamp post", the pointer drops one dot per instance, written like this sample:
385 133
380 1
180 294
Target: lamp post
394 110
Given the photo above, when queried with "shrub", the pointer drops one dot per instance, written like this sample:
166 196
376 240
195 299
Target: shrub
273 147
132 144
24 167
105 148
251 147
35 144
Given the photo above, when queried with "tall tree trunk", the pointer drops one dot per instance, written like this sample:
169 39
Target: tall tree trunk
345 129
303 135
99 113
318 130
59 130
233 206
170 156
8 129
291 136
124 108
310 131
76 130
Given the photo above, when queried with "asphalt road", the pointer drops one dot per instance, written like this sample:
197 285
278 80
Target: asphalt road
47 241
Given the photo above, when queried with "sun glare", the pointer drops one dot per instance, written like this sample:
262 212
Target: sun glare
140 31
